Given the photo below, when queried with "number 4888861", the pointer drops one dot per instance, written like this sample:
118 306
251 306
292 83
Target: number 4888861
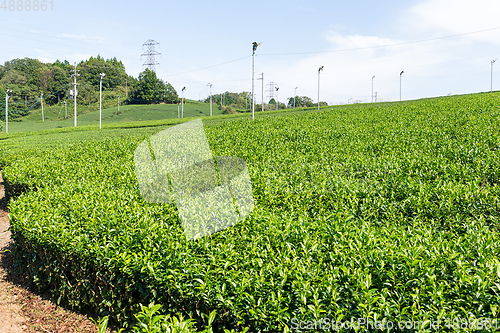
27 5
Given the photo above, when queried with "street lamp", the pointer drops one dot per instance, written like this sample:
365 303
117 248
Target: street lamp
319 72
277 102
294 97
182 101
400 74
7 110
210 85
492 62
372 86
254 47
100 97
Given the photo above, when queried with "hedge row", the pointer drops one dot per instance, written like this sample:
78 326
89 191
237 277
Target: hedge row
384 212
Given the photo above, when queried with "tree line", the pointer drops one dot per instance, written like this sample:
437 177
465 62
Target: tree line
231 102
29 78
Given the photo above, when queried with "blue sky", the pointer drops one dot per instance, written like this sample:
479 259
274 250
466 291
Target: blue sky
210 42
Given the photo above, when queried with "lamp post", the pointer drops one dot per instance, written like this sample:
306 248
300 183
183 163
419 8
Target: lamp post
41 102
100 97
400 74
210 85
182 101
254 47
319 72
277 100
372 86
492 62
7 110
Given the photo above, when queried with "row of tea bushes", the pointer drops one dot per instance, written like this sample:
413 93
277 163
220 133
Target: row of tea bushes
372 211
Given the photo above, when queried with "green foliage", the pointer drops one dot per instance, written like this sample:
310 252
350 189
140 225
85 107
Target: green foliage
232 101
27 78
151 89
301 102
114 70
150 321
387 211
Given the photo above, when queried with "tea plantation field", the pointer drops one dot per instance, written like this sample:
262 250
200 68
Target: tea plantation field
382 212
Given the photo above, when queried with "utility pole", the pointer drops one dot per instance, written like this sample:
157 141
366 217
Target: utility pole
277 102
255 45
126 88
7 110
372 86
492 62
319 72
65 110
182 101
262 78
100 97
295 97
400 74
118 103
41 102
75 92
210 85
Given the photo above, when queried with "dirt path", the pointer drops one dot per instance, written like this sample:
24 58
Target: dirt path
22 310
11 320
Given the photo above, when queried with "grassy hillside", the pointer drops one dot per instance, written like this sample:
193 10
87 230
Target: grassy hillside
377 212
55 115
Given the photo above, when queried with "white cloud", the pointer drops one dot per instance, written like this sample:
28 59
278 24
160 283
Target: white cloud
355 41
458 17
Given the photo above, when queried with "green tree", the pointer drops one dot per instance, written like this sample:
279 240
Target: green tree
2 103
151 89
236 101
300 102
14 77
170 94
112 68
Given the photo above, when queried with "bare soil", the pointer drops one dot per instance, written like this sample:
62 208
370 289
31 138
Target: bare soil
21 308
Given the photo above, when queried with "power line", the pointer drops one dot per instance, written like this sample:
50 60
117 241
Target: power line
384 45
199 69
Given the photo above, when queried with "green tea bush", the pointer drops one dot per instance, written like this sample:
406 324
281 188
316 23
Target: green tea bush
382 212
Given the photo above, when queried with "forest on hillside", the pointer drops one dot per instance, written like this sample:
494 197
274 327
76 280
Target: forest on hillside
30 79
